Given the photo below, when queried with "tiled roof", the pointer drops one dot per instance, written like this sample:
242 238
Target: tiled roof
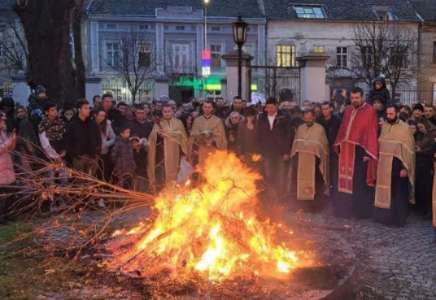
7 4
218 8
426 9
343 9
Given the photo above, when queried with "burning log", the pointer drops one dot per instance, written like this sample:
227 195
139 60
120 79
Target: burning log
211 230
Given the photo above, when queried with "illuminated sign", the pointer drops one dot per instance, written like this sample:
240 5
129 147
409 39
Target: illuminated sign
206 59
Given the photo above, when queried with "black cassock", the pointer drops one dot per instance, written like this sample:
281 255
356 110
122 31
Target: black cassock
397 214
361 202
307 205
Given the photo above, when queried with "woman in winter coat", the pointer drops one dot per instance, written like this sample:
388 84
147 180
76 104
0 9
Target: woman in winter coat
108 138
7 178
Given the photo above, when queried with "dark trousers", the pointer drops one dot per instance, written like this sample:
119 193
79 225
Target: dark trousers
399 211
361 202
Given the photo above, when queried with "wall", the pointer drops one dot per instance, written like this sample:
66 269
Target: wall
427 75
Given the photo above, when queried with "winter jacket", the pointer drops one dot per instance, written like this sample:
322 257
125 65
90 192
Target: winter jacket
382 94
6 165
82 138
123 158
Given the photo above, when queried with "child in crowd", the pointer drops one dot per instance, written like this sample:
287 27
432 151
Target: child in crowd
123 159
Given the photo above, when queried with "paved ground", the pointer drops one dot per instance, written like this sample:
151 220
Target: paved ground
392 263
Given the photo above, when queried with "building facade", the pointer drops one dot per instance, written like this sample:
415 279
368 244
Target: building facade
426 10
297 28
171 38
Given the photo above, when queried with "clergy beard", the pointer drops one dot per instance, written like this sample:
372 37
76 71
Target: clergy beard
392 121
309 124
357 104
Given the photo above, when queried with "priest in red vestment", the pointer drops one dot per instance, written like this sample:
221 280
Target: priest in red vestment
356 144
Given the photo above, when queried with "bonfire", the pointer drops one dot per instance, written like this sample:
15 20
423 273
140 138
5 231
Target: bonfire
211 229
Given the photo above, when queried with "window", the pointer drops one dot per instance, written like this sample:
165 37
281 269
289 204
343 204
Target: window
285 56
398 57
216 52
366 56
383 13
341 57
180 27
215 28
309 12
113 53
144 27
144 55
434 52
111 26
180 57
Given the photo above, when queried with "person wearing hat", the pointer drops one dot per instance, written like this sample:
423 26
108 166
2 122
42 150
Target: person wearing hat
7 178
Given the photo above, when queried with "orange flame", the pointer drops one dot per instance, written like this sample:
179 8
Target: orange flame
211 230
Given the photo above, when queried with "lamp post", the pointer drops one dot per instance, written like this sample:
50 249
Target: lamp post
240 37
206 3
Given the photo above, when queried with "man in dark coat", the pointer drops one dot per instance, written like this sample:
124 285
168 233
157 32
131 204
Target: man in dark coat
141 126
83 140
274 138
331 123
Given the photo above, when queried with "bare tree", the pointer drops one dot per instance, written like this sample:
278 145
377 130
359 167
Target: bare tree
134 63
384 48
15 55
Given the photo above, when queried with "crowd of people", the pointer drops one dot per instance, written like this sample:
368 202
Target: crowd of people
370 157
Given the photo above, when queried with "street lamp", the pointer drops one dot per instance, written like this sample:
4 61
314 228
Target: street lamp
206 3
240 37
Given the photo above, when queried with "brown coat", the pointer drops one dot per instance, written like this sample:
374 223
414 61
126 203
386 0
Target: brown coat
395 141
213 126
310 143
175 142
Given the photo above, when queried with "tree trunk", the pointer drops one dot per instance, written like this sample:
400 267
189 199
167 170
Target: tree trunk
133 92
48 28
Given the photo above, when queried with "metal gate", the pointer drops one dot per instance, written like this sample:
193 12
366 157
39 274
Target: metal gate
282 83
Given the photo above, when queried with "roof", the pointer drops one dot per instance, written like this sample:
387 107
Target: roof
347 10
426 9
7 4
216 8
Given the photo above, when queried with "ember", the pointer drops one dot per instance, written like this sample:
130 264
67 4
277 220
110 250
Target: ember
212 230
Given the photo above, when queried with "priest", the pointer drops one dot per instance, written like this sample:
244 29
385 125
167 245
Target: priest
309 163
207 131
167 142
395 171
356 144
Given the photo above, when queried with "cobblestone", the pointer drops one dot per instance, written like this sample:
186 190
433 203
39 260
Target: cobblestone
392 263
